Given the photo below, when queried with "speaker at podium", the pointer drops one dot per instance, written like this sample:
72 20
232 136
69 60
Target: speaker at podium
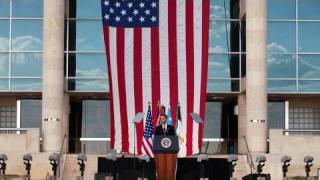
165 149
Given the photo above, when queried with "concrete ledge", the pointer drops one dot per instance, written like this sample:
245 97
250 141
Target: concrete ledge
21 143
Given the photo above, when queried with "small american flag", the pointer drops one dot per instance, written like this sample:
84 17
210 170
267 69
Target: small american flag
147 137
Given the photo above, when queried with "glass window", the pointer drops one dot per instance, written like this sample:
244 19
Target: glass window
281 66
4 64
27 35
26 64
30 113
24 84
281 9
309 86
224 38
309 66
8 117
309 36
95 119
304 117
223 66
276 115
89 35
219 9
86 9
88 85
308 9
4 35
4 84
4 8
282 86
213 117
88 65
281 37
223 85
27 8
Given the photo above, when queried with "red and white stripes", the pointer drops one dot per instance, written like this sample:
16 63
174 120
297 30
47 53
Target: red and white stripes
166 64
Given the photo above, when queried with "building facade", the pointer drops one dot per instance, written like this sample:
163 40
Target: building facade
264 73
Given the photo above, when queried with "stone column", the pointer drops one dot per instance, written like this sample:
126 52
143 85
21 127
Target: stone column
242 123
53 75
256 77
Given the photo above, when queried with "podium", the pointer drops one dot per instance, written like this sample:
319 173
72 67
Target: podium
165 149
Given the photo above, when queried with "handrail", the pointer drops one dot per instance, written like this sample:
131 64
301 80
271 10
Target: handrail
300 130
249 155
60 155
13 129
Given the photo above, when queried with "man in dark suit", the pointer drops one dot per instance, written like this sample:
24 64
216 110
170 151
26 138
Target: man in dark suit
164 128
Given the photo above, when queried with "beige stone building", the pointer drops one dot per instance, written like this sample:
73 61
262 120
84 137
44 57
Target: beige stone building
263 84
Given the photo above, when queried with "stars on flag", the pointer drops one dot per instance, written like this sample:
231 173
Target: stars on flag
130 13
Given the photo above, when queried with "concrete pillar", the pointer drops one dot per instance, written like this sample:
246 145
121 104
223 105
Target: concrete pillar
53 75
256 77
242 123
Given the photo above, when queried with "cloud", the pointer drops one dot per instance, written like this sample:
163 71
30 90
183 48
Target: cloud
276 59
91 73
313 70
23 58
218 48
4 64
23 43
4 43
276 48
218 12
91 85
219 30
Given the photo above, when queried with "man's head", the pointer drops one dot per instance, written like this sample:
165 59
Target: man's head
163 119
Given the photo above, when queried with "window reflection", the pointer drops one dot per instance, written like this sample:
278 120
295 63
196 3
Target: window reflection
281 37
90 85
309 66
27 8
87 65
224 9
222 85
85 9
4 64
4 8
223 66
281 9
30 113
281 66
309 86
308 9
4 35
89 35
213 119
26 64
224 36
309 37
276 115
4 84
95 119
281 85
27 35
24 84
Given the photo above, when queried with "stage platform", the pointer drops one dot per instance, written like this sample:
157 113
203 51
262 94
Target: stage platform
129 168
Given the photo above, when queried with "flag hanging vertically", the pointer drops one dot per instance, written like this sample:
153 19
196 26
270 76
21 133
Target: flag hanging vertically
157 50
169 118
148 135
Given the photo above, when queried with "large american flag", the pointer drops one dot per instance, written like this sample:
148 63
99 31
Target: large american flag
157 50
148 135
